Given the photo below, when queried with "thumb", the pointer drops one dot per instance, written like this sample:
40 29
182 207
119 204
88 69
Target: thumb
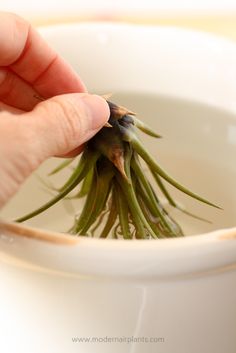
63 123
53 127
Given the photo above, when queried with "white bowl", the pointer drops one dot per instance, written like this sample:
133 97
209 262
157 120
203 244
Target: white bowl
173 295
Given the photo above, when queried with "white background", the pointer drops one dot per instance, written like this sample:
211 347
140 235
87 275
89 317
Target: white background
151 8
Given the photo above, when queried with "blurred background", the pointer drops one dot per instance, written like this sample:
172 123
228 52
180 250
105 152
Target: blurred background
217 16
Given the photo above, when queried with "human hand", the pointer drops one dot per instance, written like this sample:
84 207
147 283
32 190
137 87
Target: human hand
32 131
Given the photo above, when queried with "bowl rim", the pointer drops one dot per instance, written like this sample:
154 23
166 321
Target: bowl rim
186 257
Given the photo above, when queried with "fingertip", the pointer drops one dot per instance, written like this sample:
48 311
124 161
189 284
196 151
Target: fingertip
99 110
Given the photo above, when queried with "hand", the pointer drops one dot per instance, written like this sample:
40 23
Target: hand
32 131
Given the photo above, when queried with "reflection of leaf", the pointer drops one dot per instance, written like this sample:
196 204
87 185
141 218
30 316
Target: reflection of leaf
47 184
61 166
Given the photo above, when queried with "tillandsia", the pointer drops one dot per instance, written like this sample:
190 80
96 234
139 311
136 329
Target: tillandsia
119 199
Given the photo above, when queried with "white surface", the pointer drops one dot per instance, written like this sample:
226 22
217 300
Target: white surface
70 8
182 289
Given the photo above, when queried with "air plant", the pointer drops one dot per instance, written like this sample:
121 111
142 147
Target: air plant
119 199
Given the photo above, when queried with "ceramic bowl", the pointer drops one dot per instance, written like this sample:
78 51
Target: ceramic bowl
172 295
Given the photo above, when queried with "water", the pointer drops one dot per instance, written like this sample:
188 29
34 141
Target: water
198 149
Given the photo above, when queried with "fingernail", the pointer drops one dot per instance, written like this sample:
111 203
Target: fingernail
98 111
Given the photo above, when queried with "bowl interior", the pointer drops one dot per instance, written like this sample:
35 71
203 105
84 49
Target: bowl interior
191 105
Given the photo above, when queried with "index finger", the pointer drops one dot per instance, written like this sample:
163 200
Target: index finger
31 58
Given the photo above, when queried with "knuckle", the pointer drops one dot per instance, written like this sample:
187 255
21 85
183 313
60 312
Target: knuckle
26 138
16 29
19 141
64 118
11 17
69 117
17 21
